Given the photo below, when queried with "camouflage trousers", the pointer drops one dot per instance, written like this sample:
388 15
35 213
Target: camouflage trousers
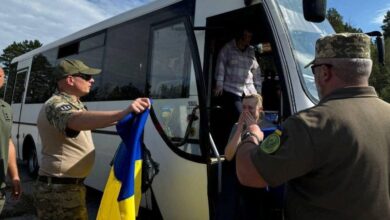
60 201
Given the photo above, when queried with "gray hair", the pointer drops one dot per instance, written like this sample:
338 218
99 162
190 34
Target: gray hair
350 70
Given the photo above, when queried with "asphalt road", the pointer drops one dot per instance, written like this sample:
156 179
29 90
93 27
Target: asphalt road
23 209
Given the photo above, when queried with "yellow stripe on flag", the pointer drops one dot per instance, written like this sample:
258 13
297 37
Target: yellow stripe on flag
110 208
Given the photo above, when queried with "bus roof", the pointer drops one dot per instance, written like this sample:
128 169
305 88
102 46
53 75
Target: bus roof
118 19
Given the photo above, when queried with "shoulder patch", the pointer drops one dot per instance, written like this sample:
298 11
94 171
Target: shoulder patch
65 107
272 143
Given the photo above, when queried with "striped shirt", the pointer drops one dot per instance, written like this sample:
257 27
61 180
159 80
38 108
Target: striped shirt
238 71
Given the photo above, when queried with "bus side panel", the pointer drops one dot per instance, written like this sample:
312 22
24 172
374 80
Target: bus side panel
180 187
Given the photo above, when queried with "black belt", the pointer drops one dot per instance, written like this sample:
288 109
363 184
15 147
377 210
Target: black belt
60 180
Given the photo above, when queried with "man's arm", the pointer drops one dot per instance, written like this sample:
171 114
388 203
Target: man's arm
257 77
246 171
13 170
88 120
220 72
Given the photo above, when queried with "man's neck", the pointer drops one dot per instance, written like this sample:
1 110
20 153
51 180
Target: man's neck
74 97
240 46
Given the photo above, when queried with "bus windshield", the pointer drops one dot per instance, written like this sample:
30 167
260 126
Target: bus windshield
303 35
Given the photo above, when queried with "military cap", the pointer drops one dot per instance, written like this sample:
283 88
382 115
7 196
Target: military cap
68 67
343 45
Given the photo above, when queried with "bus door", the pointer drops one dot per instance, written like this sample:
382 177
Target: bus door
221 29
17 105
173 134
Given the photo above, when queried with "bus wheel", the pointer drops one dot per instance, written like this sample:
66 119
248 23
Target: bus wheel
32 163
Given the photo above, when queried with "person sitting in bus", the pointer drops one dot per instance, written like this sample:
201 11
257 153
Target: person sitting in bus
253 204
68 152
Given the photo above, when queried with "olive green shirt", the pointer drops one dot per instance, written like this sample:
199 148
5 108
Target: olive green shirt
5 135
335 158
65 152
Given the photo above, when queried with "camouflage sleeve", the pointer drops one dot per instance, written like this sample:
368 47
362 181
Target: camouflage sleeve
58 114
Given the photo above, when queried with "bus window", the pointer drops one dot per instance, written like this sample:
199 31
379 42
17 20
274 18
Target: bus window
170 63
19 87
124 74
169 79
303 36
92 42
10 83
41 83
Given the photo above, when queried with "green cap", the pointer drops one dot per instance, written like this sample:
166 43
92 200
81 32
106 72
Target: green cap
68 67
343 45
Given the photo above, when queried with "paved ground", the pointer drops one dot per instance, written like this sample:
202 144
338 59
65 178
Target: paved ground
23 209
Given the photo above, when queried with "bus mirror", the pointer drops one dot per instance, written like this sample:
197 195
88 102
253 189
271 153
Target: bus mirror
314 10
380 45
247 2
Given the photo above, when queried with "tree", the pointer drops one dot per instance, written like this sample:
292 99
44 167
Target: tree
336 20
386 25
17 49
14 50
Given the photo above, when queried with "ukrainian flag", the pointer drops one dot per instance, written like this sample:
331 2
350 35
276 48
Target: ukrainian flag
122 194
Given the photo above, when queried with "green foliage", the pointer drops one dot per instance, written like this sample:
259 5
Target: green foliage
17 49
386 25
336 20
14 50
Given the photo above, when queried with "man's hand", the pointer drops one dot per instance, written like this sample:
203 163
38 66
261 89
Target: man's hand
16 188
255 129
139 105
218 91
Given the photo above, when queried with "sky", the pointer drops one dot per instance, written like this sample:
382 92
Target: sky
49 20
365 14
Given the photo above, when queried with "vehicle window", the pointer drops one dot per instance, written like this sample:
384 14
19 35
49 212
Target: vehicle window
170 63
304 35
42 84
92 42
10 83
121 56
170 75
19 87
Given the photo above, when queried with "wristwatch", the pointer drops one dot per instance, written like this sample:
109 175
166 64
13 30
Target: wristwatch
248 134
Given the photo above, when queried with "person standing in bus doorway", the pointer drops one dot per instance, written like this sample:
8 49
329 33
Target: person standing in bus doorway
7 151
68 152
237 75
335 157
253 201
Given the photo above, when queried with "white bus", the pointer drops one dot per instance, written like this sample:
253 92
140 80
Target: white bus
167 50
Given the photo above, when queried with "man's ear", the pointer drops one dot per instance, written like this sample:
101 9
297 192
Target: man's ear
70 81
327 73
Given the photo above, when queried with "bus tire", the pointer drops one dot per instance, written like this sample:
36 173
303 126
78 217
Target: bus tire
30 157
32 163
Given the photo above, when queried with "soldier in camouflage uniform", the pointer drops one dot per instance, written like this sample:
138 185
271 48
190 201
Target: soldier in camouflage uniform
335 157
7 150
68 151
